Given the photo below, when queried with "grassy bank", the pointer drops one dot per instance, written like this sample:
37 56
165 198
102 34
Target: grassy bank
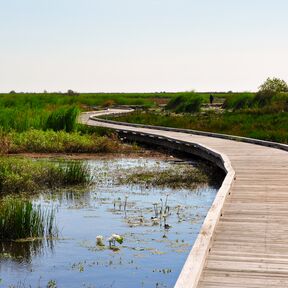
59 142
261 115
40 128
268 126
256 115
19 175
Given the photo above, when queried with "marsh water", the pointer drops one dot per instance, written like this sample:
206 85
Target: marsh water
152 253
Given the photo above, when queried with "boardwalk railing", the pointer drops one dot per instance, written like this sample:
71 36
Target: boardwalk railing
195 132
194 265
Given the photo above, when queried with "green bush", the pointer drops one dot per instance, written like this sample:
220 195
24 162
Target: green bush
238 101
185 103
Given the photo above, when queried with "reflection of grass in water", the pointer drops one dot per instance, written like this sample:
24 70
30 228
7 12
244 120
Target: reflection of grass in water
24 251
20 219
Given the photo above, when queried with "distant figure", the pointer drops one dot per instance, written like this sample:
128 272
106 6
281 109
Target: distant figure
211 99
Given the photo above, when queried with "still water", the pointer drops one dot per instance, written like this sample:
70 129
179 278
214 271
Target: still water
150 256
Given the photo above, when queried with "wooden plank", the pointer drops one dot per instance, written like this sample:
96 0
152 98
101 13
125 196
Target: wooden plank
249 246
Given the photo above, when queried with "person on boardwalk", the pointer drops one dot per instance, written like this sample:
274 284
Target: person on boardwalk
211 99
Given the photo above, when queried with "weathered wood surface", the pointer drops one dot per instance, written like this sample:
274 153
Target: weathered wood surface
250 243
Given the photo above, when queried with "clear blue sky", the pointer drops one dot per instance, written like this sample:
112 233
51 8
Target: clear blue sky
147 45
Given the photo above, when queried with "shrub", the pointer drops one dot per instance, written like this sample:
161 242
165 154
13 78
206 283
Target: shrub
108 103
264 98
186 103
238 101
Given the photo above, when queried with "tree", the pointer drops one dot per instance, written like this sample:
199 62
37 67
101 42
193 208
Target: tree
274 85
72 93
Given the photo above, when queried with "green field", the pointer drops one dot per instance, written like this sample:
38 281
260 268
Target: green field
261 116
256 115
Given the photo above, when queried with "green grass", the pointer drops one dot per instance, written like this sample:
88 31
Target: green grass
18 175
44 100
20 219
264 102
23 111
22 119
38 141
63 119
258 115
253 123
75 173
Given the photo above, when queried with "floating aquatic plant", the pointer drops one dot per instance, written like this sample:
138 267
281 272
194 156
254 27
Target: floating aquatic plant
113 239
99 240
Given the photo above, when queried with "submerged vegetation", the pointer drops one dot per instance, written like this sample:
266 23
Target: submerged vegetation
176 177
20 219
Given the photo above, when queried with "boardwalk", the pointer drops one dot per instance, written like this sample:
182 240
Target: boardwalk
250 243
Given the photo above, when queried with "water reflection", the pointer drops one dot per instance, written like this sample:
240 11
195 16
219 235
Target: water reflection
23 252
152 254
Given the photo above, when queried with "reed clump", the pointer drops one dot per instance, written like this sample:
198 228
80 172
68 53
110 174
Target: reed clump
185 103
63 119
20 218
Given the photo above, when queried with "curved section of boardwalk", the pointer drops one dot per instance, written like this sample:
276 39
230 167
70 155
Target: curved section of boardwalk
250 242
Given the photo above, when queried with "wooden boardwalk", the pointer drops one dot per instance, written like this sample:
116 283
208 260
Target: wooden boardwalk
250 243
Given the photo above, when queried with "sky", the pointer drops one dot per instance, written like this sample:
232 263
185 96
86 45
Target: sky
141 45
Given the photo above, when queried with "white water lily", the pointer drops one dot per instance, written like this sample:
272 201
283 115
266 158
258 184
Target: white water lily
117 238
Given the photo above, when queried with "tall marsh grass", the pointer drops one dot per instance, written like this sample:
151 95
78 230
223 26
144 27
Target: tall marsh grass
21 119
63 119
263 102
20 219
19 175
57 142
75 173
